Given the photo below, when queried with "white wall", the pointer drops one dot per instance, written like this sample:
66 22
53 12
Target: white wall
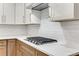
50 29
71 31
13 30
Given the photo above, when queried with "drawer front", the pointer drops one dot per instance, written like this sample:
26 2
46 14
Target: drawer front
2 42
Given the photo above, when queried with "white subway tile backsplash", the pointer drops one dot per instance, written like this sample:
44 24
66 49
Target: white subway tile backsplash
13 30
51 29
71 31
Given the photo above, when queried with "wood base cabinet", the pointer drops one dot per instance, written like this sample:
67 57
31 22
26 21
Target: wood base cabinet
39 53
7 47
26 50
11 47
3 48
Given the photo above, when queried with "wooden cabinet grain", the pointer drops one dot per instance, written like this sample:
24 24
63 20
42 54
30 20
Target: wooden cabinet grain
11 47
27 50
3 51
39 53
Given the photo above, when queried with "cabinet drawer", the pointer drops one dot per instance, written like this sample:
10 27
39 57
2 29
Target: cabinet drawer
2 42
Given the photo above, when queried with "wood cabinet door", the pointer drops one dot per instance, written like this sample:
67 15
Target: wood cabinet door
19 53
11 47
25 52
3 48
24 49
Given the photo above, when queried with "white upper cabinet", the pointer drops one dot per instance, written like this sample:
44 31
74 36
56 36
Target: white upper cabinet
1 12
64 11
8 14
19 13
28 16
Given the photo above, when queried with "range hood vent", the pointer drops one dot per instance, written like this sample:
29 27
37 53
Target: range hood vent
38 6
41 6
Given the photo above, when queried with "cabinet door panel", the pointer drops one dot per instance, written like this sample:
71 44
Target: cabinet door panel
24 49
11 47
25 52
1 12
3 48
9 13
19 53
63 11
27 48
28 16
20 13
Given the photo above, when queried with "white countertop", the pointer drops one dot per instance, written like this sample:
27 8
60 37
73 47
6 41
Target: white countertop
51 48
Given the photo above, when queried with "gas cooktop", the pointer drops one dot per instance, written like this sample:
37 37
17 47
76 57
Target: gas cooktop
40 40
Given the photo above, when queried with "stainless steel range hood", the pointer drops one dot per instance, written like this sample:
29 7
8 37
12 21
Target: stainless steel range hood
38 6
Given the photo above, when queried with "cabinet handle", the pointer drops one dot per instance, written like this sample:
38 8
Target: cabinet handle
51 15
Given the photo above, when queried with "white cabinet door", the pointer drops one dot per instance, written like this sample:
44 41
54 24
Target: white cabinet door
62 11
28 16
1 12
20 16
35 17
8 17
